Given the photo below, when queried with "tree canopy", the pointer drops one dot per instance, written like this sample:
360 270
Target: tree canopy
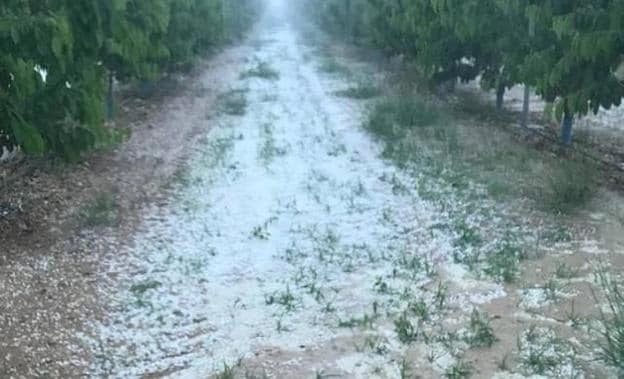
58 55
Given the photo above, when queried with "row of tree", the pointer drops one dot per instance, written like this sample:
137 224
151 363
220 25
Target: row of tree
60 59
569 51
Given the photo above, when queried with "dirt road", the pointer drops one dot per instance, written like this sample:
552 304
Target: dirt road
288 226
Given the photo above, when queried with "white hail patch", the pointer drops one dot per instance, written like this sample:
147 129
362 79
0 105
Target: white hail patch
258 252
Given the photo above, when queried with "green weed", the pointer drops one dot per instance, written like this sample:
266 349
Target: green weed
139 289
459 370
504 262
269 149
481 333
570 184
261 232
376 345
332 66
420 309
539 362
551 289
612 345
262 70
285 299
558 234
361 91
381 286
391 117
406 370
441 295
468 236
365 321
405 330
542 353
234 102
226 373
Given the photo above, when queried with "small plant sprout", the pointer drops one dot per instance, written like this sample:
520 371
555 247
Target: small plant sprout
261 232
480 333
612 345
375 344
365 322
574 319
328 307
405 369
504 262
565 271
430 268
332 66
432 356
262 70
226 373
234 102
405 330
381 286
285 299
420 309
139 289
558 234
361 91
459 370
541 352
269 150
468 236
537 361
551 289
441 295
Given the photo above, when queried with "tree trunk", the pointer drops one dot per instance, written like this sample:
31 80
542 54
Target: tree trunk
349 22
110 99
500 97
566 128
526 106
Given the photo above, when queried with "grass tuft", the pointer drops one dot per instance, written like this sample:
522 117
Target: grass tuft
410 125
406 331
570 184
262 70
285 299
361 91
234 102
481 333
459 370
612 346
332 66
139 289
226 373
504 262
393 116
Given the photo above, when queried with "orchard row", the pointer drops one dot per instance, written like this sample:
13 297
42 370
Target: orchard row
570 52
60 59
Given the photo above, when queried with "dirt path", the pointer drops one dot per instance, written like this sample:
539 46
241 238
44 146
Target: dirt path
288 229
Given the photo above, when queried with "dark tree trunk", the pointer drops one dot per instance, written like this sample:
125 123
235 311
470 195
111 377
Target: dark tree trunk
566 128
500 97
526 106
110 99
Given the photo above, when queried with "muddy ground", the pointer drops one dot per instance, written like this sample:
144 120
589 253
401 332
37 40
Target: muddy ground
251 226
